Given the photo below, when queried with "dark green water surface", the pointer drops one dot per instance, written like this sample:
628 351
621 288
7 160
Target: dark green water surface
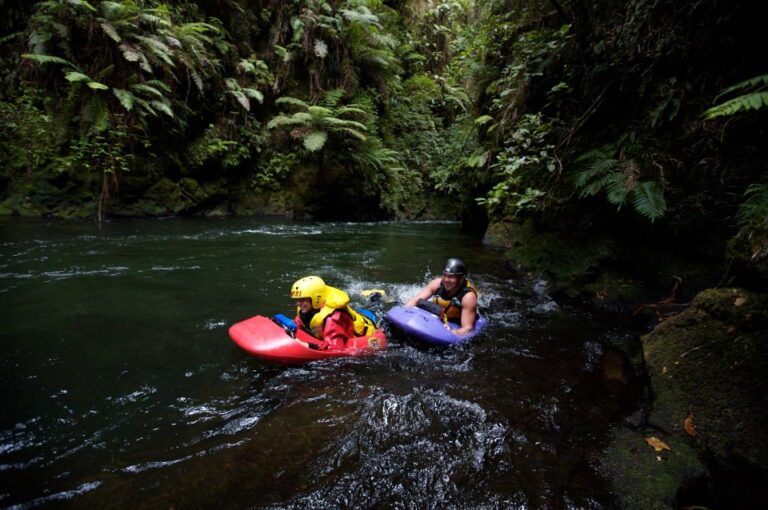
122 389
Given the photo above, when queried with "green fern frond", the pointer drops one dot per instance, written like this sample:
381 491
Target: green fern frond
96 114
350 109
82 3
297 119
158 48
291 101
283 53
616 190
599 184
302 117
361 15
754 209
353 133
315 140
74 76
598 168
336 123
648 200
319 111
111 32
155 19
147 89
753 101
483 119
163 107
130 52
47 59
254 94
160 85
196 79
197 29
384 39
332 97
145 106
112 8
97 86
231 84
752 83
125 98
242 99
604 152
377 59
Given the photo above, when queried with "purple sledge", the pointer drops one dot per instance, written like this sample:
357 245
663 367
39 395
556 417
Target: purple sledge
428 327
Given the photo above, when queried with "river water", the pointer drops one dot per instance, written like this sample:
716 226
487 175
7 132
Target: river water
122 389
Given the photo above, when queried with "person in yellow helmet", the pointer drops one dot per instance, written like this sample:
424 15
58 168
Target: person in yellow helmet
324 312
455 295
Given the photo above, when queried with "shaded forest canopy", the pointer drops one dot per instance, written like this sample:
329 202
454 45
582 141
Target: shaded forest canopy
645 117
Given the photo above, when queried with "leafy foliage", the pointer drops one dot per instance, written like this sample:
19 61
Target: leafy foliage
525 156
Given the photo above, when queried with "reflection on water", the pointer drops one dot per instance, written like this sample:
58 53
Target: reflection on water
122 389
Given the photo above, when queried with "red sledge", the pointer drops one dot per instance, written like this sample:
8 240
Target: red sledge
269 341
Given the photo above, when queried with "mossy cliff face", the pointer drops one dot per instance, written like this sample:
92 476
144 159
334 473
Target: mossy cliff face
610 270
577 265
564 259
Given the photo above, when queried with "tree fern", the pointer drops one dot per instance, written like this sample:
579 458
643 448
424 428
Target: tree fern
317 118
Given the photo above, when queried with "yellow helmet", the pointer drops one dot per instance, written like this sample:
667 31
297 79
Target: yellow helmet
312 287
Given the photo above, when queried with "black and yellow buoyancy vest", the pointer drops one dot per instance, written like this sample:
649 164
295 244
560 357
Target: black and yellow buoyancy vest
452 305
336 299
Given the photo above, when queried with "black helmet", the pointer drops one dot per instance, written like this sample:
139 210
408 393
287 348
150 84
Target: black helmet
455 266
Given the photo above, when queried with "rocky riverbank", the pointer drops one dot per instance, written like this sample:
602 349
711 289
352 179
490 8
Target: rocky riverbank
699 441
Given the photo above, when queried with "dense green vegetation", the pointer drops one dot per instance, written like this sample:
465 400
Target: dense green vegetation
648 115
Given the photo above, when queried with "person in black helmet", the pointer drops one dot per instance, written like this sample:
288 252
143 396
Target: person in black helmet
454 293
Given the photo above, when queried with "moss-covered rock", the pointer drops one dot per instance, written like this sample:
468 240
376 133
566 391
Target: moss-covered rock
647 479
707 369
710 363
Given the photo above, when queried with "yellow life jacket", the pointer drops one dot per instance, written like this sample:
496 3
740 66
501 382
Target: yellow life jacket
336 299
452 305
